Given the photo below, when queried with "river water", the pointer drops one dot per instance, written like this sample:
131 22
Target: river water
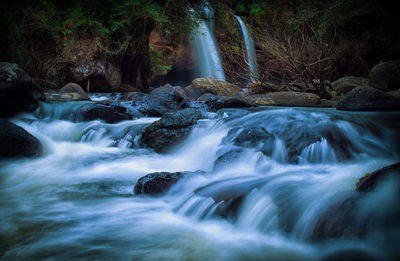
76 202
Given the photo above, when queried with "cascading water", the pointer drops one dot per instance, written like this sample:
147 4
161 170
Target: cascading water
207 55
271 177
250 50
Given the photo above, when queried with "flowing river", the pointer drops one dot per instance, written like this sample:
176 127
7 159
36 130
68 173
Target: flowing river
268 176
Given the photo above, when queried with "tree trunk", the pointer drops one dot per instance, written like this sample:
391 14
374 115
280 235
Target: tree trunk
136 66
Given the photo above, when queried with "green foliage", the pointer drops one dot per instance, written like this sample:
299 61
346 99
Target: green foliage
157 60
115 24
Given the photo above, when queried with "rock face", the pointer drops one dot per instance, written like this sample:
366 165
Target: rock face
70 92
201 86
160 101
368 99
368 182
170 129
348 83
86 68
385 76
156 183
18 92
17 142
107 113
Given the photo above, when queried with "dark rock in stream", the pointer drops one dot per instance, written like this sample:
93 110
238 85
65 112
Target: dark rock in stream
17 142
170 129
107 113
159 182
159 101
252 137
18 91
369 181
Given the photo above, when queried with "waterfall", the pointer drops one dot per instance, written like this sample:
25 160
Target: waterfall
250 50
208 59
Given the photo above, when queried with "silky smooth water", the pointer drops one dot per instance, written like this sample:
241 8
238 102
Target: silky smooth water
250 50
77 202
208 59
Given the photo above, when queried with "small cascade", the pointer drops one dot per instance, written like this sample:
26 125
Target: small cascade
250 50
317 152
208 59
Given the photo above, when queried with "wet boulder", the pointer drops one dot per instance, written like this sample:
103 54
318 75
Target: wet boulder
17 142
369 181
160 182
97 111
156 183
348 83
18 91
201 86
216 102
181 119
160 101
251 137
368 99
170 129
385 76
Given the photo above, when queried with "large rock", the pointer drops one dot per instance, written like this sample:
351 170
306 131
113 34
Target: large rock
86 67
18 92
170 129
70 92
385 76
348 83
17 142
159 101
301 99
107 113
369 181
368 99
201 86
